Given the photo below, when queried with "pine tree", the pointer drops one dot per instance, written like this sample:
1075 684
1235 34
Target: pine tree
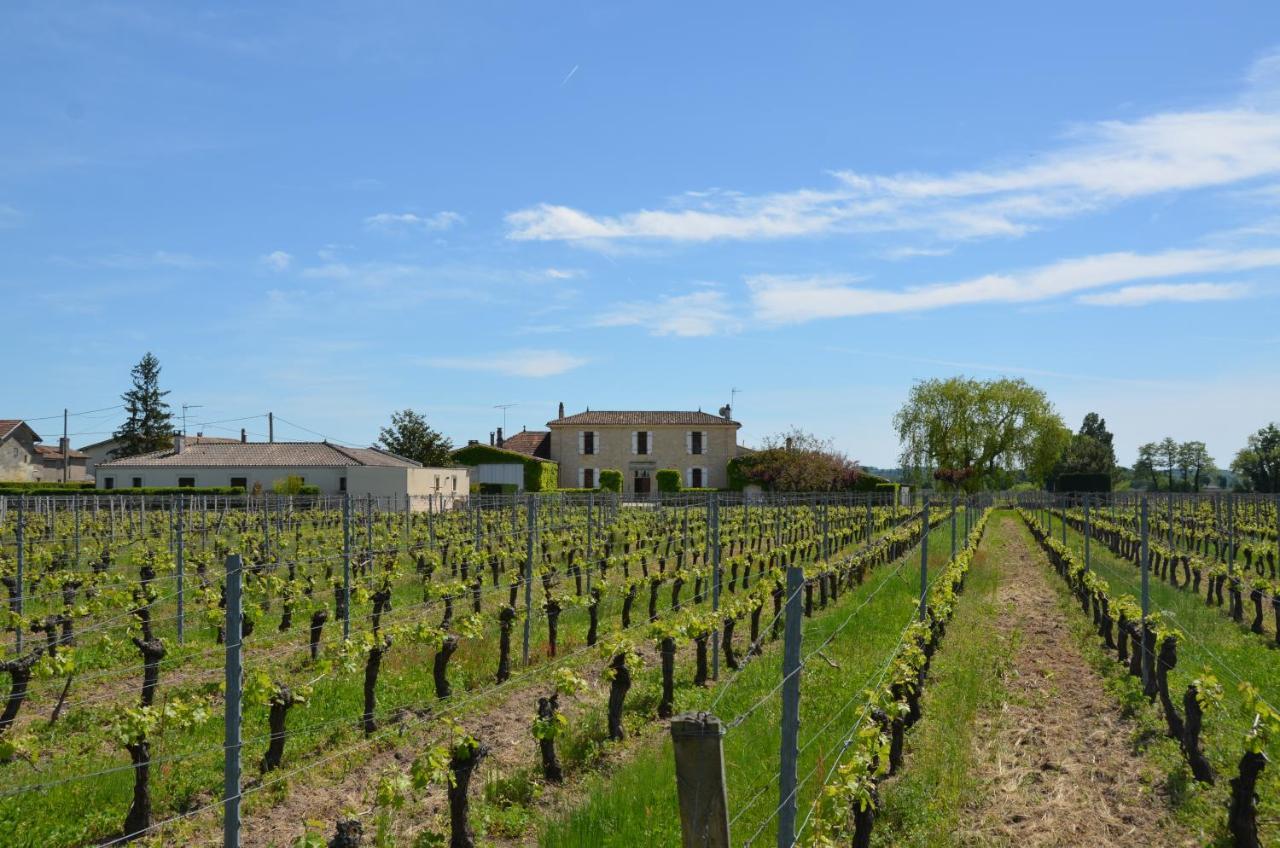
149 426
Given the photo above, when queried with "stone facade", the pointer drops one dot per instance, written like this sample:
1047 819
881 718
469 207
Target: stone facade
639 444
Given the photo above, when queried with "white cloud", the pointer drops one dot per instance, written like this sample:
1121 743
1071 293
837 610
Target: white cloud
513 363
277 260
792 299
9 216
405 221
562 273
1165 292
702 313
1096 166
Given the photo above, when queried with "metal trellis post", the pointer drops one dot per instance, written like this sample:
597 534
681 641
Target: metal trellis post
790 753
1146 595
713 540
924 557
346 566
232 714
531 521
179 555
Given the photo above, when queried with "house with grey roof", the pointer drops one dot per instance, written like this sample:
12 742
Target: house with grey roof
258 466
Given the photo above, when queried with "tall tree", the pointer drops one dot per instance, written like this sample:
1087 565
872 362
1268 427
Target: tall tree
1094 427
149 425
1148 462
410 436
1167 451
1194 462
1258 462
980 431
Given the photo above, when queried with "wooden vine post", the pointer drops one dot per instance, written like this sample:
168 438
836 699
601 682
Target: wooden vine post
704 808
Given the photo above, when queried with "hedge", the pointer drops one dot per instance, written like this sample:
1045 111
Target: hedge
228 491
610 480
668 479
540 475
1081 482
58 486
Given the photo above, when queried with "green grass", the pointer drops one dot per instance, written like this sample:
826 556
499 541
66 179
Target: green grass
636 803
1217 644
925 803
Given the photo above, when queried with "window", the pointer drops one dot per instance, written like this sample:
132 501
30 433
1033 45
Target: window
641 481
240 483
696 478
588 480
455 482
137 482
342 484
587 442
642 442
108 482
696 440
186 482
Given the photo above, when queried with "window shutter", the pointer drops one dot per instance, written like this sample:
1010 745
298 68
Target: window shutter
688 476
688 442
579 478
582 440
635 437
648 441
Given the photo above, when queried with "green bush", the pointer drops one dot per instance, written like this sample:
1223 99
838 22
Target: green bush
16 484
225 491
1082 482
573 491
668 479
610 480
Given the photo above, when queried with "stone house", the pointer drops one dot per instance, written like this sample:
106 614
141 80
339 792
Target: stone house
639 443
24 460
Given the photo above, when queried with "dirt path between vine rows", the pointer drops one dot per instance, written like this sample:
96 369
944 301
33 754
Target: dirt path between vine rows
1056 762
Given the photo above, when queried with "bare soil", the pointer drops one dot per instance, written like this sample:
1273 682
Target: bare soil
1056 760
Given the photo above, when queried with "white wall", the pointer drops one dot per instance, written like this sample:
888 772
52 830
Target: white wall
326 478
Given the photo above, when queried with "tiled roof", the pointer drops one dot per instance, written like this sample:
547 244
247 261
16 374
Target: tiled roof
50 452
205 454
532 442
8 425
191 440
641 417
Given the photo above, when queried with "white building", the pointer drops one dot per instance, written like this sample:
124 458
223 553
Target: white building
257 466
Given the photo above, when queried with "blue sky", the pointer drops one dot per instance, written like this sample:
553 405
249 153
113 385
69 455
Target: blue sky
334 211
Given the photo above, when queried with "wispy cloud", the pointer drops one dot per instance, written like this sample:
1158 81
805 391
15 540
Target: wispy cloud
277 260
408 221
793 299
1096 166
568 76
561 273
1166 292
512 363
701 313
9 216
138 261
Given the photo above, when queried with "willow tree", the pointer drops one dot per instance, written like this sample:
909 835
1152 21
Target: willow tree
979 432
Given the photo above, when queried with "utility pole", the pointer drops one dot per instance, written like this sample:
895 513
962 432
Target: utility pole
271 427
66 448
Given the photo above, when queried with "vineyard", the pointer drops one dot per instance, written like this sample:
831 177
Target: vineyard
577 670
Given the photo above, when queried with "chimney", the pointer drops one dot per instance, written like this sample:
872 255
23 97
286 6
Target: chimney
500 437
243 436
64 446
725 412
491 440
179 443
562 409
472 442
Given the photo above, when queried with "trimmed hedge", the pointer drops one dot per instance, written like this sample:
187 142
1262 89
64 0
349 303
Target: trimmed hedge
228 491
610 480
1082 482
540 475
668 479
58 486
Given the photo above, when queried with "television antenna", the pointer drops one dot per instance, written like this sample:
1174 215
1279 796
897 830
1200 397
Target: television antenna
185 407
733 396
504 407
